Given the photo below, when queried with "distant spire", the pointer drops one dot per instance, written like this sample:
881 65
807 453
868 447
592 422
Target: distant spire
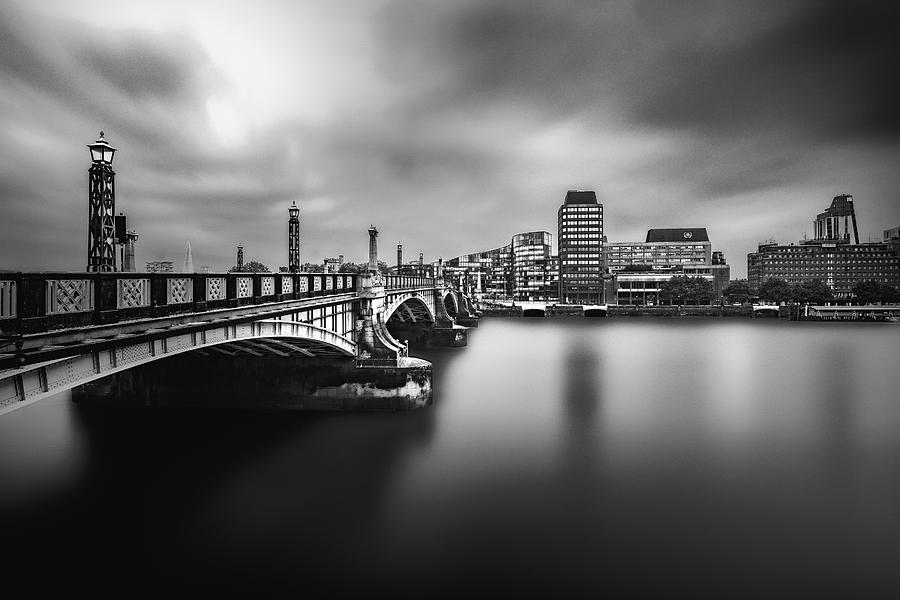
188 259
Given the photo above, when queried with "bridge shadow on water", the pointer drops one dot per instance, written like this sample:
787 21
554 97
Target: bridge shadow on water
218 500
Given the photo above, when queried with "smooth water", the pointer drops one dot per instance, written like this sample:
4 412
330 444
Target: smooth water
722 458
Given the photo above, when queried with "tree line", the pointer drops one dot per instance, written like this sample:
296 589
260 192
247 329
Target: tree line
813 291
255 266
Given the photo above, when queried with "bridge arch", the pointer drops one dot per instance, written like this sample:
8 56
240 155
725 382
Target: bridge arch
451 303
409 308
19 387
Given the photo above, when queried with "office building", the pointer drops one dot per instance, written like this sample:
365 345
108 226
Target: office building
641 286
721 273
839 266
160 266
531 265
834 256
580 235
838 222
662 249
490 272
332 265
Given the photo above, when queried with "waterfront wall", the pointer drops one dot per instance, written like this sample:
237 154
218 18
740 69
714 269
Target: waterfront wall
639 311
679 311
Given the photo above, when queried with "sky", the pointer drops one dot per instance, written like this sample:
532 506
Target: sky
450 125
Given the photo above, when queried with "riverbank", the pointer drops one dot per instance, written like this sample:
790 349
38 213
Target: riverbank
555 310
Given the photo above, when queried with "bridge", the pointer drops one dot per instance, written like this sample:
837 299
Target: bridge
62 331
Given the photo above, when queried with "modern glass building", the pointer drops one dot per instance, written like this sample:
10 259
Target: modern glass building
580 240
531 265
487 273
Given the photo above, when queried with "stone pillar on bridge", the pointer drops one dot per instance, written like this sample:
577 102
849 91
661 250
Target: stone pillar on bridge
373 248
376 345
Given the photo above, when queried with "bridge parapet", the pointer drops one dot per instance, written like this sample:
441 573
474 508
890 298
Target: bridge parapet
395 282
38 302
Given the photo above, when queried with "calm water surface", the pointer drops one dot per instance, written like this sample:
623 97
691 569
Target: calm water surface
755 458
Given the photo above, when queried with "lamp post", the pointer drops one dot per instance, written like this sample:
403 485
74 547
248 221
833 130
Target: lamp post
101 207
294 238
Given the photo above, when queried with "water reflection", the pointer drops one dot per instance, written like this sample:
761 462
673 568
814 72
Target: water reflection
581 403
626 458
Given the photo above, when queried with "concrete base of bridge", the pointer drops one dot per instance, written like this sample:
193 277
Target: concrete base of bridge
436 337
267 383
467 321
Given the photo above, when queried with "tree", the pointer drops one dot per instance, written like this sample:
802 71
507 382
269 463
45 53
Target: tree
737 291
254 266
309 267
871 291
775 289
683 289
811 292
349 267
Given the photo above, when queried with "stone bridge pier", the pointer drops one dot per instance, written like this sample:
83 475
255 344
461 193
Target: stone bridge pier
388 321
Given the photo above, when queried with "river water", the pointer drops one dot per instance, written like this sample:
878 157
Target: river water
724 458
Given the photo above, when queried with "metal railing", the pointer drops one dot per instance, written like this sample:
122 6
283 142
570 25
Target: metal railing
36 302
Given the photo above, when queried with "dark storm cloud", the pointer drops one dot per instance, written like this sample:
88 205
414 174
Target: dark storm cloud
828 71
462 123
820 68
60 83
754 99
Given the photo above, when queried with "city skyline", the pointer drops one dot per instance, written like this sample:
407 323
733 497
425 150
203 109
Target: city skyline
741 118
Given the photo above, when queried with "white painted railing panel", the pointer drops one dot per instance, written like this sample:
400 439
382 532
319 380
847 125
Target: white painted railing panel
69 296
268 286
132 293
244 287
179 290
215 288
7 299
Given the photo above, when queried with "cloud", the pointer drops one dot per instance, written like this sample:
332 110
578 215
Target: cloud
449 125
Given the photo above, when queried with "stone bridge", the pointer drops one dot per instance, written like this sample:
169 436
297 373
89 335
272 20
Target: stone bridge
62 331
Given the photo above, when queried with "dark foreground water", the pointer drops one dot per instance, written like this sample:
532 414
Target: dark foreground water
718 458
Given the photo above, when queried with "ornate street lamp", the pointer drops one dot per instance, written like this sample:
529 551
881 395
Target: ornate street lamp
101 151
101 207
294 238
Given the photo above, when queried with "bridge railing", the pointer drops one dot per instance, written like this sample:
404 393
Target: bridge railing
395 282
36 302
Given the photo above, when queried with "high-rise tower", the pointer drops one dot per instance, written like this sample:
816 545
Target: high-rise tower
294 238
240 257
838 221
580 239
399 256
128 264
188 259
101 207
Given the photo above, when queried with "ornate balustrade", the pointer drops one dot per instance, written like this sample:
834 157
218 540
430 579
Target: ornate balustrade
35 302
394 282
